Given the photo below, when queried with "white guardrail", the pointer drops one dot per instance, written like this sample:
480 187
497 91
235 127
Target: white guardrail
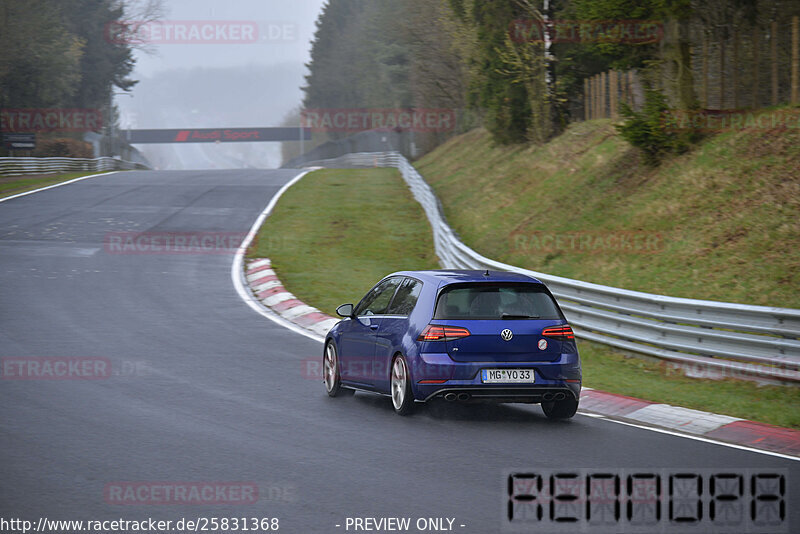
22 166
707 337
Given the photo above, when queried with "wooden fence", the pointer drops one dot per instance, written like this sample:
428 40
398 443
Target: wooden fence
758 69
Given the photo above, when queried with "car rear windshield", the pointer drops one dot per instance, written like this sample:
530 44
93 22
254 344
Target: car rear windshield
496 301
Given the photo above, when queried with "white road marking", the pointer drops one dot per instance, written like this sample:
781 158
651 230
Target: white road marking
237 267
690 436
55 185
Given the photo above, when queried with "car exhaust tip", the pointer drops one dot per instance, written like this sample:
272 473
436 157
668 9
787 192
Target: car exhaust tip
463 397
450 397
560 396
548 396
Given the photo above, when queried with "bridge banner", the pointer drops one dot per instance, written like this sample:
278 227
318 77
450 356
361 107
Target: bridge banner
216 135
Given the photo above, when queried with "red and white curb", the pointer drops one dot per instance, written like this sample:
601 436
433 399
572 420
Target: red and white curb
267 289
748 434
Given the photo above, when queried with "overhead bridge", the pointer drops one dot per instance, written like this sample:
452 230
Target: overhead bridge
217 135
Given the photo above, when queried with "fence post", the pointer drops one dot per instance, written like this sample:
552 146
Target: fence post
795 58
612 92
601 95
756 69
705 71
586 111
623 88
603 91
630 89
722 73
735 67
774 53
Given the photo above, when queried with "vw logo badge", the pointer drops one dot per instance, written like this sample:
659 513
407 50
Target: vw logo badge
506 334
542 344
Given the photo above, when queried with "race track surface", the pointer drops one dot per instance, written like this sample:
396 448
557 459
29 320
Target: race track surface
204 389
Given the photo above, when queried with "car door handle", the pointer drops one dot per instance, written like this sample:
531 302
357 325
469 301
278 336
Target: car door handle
373 327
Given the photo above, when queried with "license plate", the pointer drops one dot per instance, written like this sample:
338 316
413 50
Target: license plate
507 376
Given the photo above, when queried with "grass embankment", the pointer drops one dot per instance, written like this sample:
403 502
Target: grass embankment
336 232
12 185
719 223
608 370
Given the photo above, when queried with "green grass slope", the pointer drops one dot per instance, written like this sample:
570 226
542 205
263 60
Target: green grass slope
337 232
721 222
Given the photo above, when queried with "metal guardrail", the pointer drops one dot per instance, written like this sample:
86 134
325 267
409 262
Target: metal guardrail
23 166
724 338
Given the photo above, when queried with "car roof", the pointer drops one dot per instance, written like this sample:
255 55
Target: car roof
453 276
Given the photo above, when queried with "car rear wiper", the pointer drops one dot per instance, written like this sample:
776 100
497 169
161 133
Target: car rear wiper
518 316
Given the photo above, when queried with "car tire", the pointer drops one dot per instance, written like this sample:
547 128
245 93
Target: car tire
563 409
330 369
400 387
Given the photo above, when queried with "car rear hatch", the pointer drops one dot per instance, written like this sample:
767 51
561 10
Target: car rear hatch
490 341
500 322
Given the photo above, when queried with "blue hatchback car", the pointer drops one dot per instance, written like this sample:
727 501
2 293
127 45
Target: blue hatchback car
463 336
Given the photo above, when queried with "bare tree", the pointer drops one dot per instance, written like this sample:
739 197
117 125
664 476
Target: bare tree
137 13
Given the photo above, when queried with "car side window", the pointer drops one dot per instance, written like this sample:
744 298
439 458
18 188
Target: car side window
406 297
377 300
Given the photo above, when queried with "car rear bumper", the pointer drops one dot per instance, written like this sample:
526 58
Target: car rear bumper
463 379
505 394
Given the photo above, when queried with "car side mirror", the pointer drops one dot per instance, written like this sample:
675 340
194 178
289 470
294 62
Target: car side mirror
345 310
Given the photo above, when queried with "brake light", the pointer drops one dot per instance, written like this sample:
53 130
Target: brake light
559 332
435 332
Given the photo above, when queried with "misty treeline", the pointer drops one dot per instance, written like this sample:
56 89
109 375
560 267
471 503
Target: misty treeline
58 54
463 55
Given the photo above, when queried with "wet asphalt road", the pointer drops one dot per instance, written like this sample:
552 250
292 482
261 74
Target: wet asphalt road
203 389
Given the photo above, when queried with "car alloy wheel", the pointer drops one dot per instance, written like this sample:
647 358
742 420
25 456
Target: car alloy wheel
402 399
330 369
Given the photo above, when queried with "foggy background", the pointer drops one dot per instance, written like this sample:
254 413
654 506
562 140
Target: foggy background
222 85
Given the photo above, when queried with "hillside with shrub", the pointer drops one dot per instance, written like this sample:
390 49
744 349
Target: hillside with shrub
721 222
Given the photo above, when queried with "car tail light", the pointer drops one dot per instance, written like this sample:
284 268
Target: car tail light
435 332
559 332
